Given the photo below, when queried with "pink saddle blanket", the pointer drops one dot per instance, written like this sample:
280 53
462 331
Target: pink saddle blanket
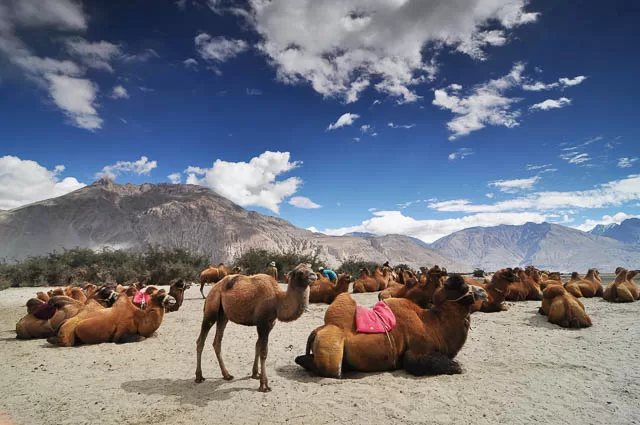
376 320
141 297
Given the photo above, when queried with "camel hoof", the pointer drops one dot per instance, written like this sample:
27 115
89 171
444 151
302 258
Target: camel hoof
228 377
264 388
199 379
256 376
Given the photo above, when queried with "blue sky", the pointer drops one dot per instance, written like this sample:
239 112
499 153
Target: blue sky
393 116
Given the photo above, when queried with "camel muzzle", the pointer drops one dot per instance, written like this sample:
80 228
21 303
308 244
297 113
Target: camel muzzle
168 300
478 293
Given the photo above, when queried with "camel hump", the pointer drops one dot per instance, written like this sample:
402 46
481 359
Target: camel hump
230 282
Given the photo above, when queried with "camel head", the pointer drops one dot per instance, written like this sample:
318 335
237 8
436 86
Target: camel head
593 272
180 284
364 272
106 296
502 278
555 276
456 290
161 298
533 273
302 276
575 276
631 274
409 278
236 270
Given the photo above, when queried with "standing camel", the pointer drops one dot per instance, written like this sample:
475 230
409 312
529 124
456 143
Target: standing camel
253 301
212 275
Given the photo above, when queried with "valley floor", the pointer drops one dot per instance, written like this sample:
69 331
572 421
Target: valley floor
518 369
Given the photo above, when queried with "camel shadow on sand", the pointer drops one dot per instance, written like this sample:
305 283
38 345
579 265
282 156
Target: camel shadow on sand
538 320
187 391
297 373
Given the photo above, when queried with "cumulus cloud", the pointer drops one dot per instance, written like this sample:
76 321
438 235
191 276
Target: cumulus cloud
303 202
461 153
175 178
96 55
626 162
77 99
394 222
250 183
606 219
342 48
551 104
568 82
561 83
345 119
141 167
514 186
218 49
485 105
23 182
119 92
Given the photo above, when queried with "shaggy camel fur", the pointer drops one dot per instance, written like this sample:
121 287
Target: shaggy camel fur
123 322
253 301
622 289
176 290
524 289
590 285
572 285
324 291
370 282
212 275
563 309
423 342
421 293
496 290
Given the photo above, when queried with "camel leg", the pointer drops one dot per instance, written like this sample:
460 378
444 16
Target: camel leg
217 344
207 322
433 363
263 343
202 290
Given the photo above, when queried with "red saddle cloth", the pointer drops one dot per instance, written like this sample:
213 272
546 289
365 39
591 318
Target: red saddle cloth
376 320
141 297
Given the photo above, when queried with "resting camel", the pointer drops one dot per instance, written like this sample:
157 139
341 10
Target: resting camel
572 285
123 322
552 278
420 293
212 275
324 291
590 285
495 289
253 301
523 289
423 342
622 289
563 309
370 282
176 290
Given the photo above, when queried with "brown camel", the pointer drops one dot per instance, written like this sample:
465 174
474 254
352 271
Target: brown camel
552 278
176 290
421 293
124 322
572 285
496 290
523 289
212 275
253 301
324 291
563 309
622 289
370 282
591 286
423 342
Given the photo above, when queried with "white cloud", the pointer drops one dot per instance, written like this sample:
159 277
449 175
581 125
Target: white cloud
190 63
366 129
539 86
119 92
303 202
489 195
485 105
626 162
76 97
143 56
254 92
58 14
341 48
613 193
405 126
23 182
574 157
218 49
345 119
250 183
394 222
607 219
182 4
94 55
568 82
534 167
141 167
551 104
175 178
514 186
461 153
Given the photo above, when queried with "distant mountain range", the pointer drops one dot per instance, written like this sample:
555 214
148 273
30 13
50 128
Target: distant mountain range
627 232
106 214
548 246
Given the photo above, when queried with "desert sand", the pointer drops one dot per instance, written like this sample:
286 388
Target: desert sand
518 369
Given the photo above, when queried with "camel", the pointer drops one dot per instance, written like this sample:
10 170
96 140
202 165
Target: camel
590 285
176 290
552 278
572 286
496 290
523 289
323 291
370 282
563 309
121 323
423 342
622 289
421 293
212 275
253 301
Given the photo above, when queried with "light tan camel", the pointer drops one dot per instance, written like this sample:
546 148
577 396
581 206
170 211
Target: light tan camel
423 342
523 289
496 290
324 291
563 309
622 289
590 285
253 301
572 285
212 275
370 282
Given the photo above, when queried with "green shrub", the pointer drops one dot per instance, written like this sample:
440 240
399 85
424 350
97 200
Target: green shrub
353 265
257 260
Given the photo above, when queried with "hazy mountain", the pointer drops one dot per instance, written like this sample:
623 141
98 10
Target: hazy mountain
548 246
627 232
129 216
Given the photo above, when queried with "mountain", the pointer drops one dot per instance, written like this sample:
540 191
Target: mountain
626 232
106 214
548 246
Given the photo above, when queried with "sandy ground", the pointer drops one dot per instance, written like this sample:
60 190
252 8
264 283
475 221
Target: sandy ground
518 369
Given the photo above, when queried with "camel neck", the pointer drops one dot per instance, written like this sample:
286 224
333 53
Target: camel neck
342 285
452 320
148 321
291 303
